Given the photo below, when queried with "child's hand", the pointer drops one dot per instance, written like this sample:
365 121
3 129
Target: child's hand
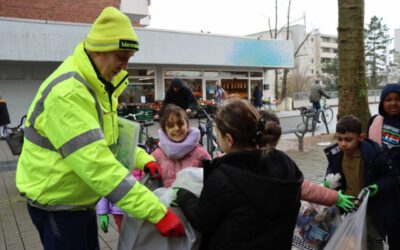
174 203
346 202
104 222
153 169
373 190
332 181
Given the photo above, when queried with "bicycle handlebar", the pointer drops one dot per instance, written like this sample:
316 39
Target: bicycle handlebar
208 117
134 116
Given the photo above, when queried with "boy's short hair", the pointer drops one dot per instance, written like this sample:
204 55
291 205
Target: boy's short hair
349 123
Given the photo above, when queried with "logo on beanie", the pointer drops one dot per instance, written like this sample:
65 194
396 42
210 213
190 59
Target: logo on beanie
127 44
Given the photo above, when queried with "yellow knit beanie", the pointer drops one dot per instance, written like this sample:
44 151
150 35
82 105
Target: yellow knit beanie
112 30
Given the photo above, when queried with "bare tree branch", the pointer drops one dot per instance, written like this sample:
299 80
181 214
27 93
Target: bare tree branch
276 18
302 43
269 26
288 21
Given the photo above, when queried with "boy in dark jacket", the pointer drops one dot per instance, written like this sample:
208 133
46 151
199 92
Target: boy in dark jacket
362 163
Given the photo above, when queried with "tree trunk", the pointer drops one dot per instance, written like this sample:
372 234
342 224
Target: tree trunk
353 95
276 84
275 36
284 84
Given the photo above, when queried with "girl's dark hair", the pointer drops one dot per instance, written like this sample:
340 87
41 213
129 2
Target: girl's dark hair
349 123
171 110
273 130
243 122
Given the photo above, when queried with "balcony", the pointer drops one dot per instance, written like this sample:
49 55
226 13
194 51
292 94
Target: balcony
136 10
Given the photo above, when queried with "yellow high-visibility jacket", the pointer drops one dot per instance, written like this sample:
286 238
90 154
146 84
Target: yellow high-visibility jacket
67 162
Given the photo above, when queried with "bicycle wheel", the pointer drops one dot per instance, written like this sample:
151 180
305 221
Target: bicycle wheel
210 145
304 118
328 115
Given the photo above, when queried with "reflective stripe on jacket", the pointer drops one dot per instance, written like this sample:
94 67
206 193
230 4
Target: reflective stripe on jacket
67 162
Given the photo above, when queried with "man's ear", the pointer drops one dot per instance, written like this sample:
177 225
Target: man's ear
361 137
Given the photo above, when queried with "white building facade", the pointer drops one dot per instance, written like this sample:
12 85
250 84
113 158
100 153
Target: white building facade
32 49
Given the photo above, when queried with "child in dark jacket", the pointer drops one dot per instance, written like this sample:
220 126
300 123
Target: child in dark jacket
362 163
251 195
384 128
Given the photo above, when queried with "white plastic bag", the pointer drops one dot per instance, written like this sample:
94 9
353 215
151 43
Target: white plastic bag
352 233
142 235
190 178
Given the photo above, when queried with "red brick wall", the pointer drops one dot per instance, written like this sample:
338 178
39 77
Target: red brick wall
81 11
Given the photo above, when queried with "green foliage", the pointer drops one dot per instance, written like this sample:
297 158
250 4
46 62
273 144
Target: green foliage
376 42
362 93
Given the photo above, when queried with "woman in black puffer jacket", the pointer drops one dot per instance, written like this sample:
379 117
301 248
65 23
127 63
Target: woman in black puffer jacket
251 195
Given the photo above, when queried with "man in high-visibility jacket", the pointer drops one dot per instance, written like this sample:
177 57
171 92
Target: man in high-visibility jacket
67 163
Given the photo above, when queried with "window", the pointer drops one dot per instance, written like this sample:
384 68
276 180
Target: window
256 74
234 74
211 74
140 88
183 73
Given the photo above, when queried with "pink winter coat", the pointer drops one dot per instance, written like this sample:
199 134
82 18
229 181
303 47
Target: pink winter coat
315 193
173 157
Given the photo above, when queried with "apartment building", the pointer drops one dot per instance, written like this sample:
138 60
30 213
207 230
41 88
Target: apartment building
312 49
397 40
325 50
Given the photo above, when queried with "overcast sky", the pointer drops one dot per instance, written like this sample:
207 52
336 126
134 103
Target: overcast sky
241 17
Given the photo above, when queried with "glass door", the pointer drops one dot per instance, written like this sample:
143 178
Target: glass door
210 89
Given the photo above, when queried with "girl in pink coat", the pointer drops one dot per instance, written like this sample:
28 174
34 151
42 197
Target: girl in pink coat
178 146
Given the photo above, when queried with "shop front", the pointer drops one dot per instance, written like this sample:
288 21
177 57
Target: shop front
203 83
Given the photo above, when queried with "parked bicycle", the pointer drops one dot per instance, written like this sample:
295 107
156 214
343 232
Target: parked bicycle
325 113
207 136
148 142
